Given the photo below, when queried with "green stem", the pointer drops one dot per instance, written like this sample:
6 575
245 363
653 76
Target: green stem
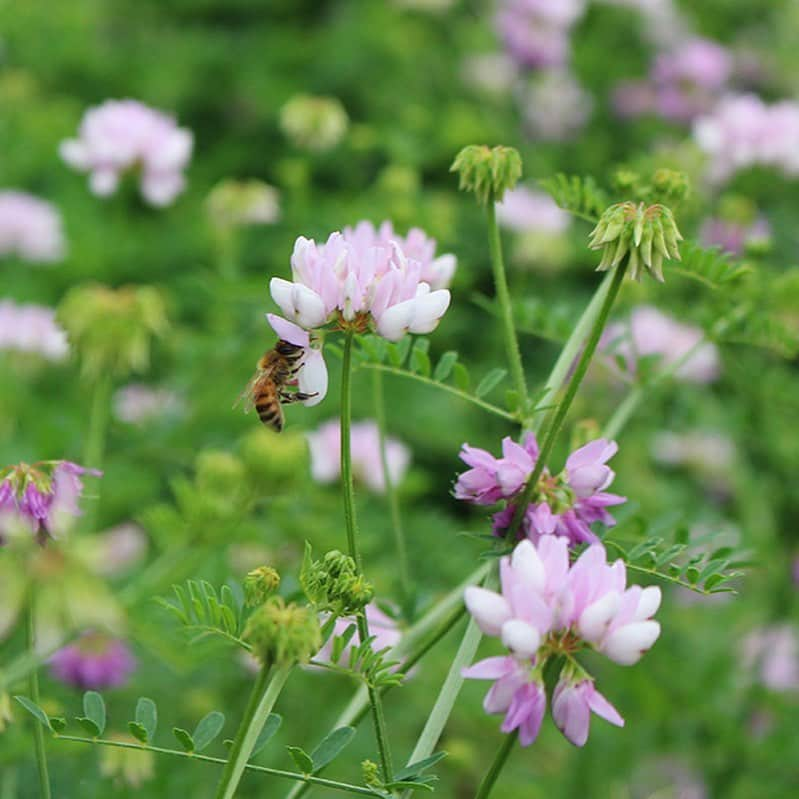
403 574
262 699
33 690
563 406
94 448
351 524
505 307
289 775
496 767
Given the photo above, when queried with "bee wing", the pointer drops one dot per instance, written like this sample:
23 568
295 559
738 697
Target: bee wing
245 397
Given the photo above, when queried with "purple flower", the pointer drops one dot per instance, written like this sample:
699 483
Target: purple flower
732 236
94 662
44 496
652 333
367 465
32 329
122 135
572 705
548 608
565 504
30 228
698 62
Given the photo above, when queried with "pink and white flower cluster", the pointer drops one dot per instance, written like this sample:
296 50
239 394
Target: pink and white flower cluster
525 210
43 497
546 608
563 505
742 131
32 329
122 135
30 228
367 465
652 333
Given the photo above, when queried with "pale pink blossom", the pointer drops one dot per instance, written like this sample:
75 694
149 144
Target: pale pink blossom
554 105
32 329
773 654
367 466
122 135
312 377
548 606
733 237
526 210
137 403
652 333
30 228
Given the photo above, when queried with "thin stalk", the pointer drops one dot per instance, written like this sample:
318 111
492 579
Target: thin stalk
94 448
563 406
351 523
496 767
262 699
403 574
33 690
289 775
504 303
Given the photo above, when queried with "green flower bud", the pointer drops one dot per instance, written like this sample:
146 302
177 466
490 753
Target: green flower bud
670 186
111 329
487 171
233 203
371 773
334 583
314 123
260 584
283 634
271 456
219 473
645 235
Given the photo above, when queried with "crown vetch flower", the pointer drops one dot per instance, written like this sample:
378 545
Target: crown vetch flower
359 287
30 228
44 495
32 329
94 662
549 608
565 504
121 135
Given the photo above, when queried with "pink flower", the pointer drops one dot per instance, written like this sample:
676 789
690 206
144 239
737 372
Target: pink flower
572 704
94 662
44 496
364 275
733 237
32 329
652 333
121 135
547 608
524 210
555 106
367 465
565 504
697 61
30 228
773 652
137 403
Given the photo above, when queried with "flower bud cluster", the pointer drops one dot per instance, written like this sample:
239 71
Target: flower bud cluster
547 609
334 583
645 235
260 584
283 633
487 171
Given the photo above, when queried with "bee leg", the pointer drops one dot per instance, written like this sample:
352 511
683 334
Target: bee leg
287 397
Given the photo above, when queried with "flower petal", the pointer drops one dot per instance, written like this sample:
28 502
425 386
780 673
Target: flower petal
489 610
312 378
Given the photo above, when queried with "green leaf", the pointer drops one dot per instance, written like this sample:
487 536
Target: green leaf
35 711
301 759
709 266
94 708
184 739
492 379
461 376
397 353
413 769
580 196
137 731
331 747
420 362
58 724
147 716
271 726
88 725
444 366
207 729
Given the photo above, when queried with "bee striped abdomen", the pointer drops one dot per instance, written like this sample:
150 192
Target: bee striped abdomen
268 406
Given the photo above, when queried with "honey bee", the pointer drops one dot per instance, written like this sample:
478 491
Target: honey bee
267 390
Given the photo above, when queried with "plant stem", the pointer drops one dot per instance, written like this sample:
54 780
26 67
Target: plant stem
351 524
496 767
290 775
33 690
94 448
262 699
505 307
563 406
403 574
